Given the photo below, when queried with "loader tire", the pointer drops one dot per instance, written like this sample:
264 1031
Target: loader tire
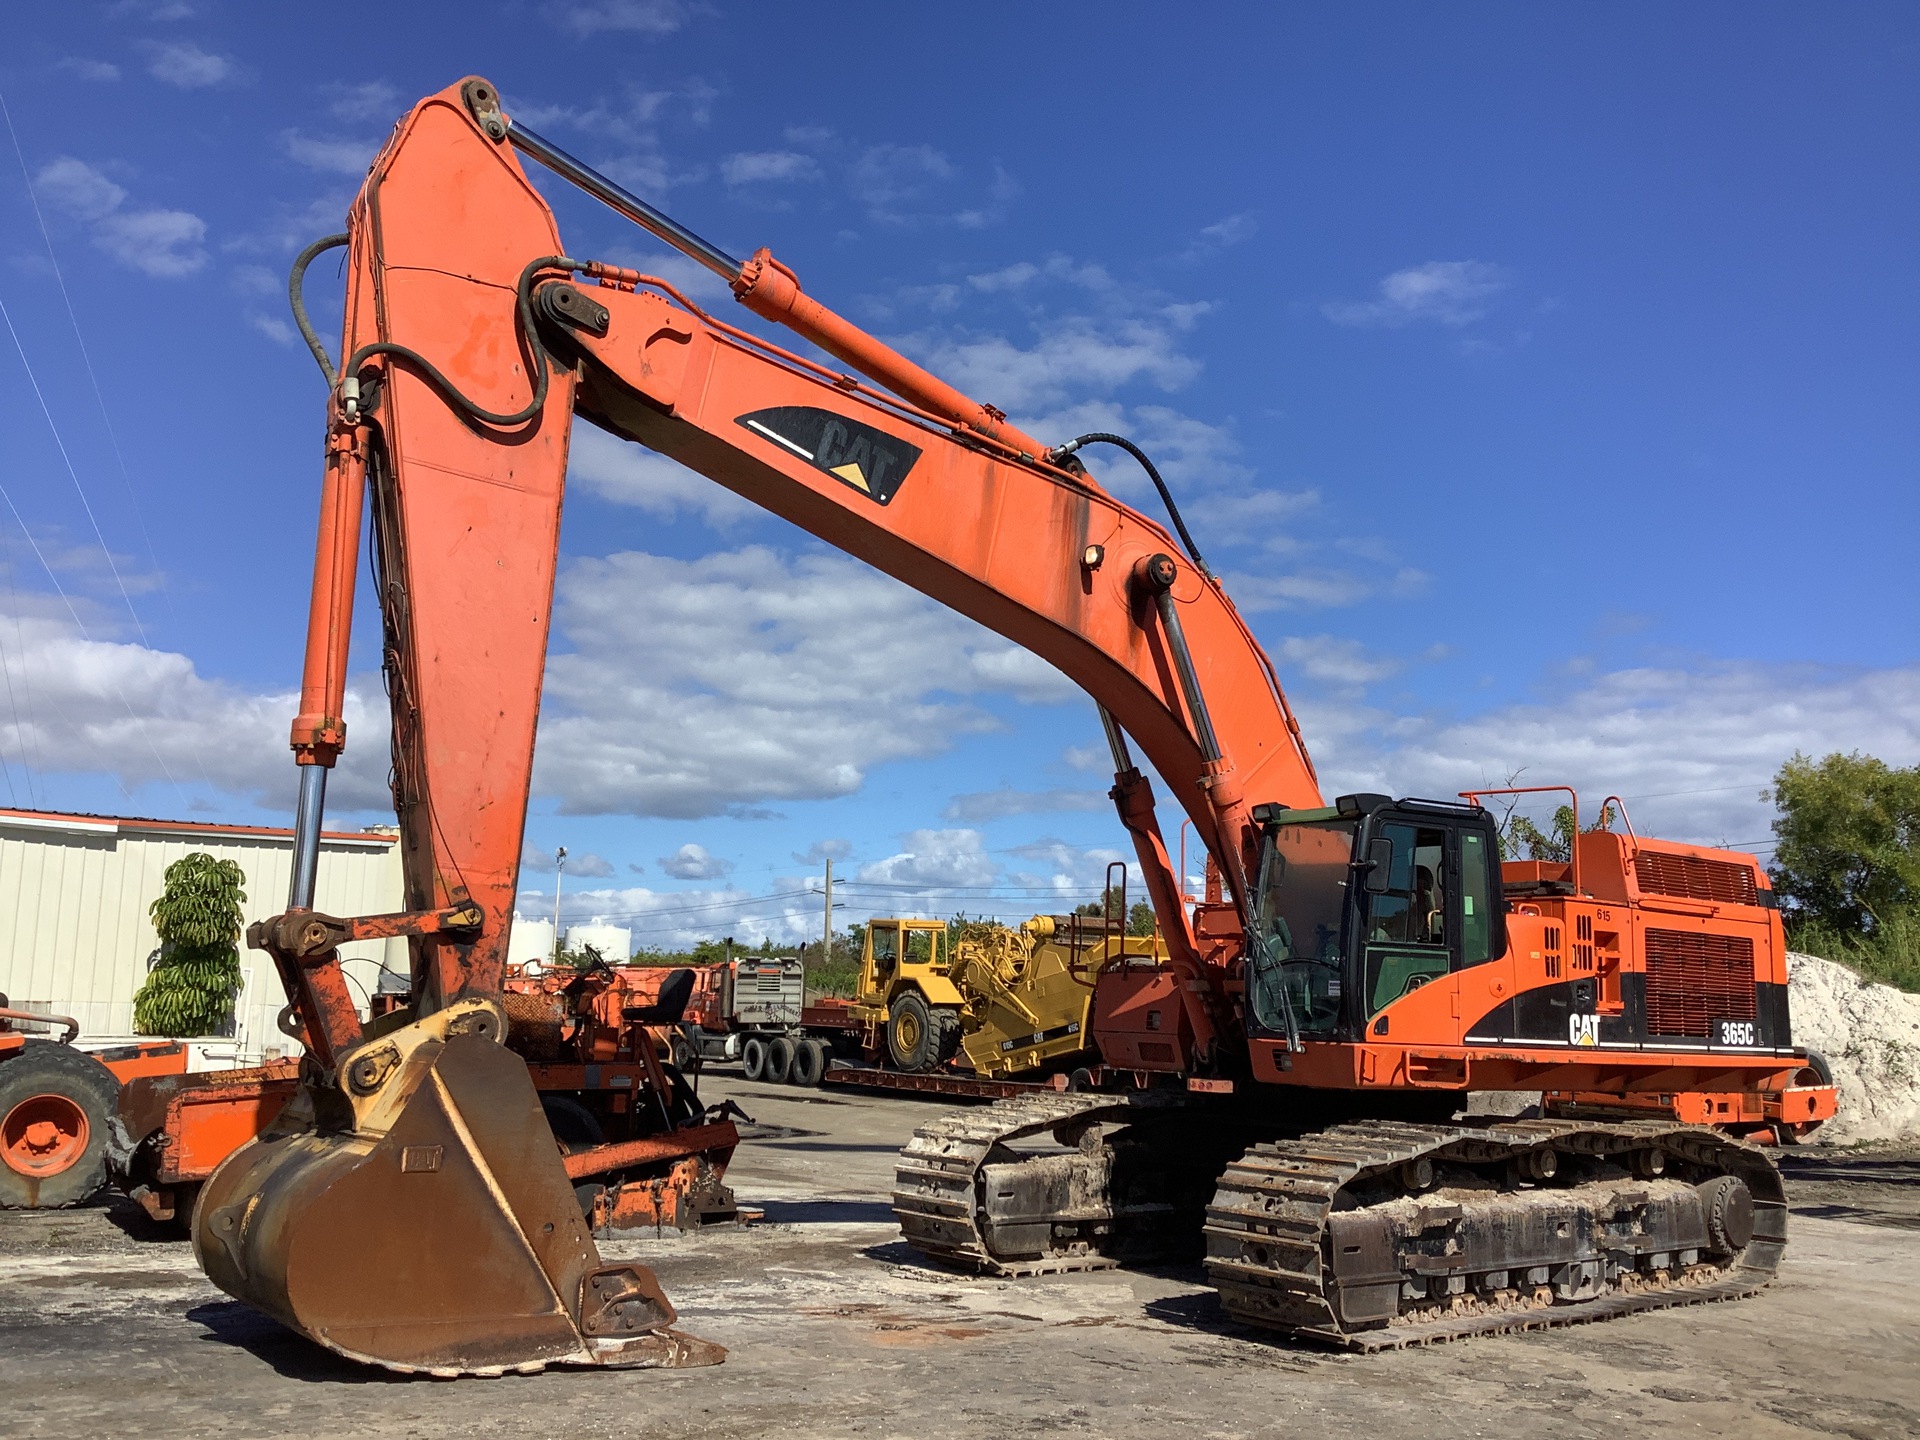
753 1058
809 1062
779 1061
920 1037
574 1126
57 1112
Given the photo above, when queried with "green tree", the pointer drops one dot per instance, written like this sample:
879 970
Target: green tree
1848 857
191 988
1518 834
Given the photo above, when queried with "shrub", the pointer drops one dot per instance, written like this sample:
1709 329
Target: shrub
192 986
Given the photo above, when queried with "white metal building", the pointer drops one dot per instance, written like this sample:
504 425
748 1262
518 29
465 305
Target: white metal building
74 930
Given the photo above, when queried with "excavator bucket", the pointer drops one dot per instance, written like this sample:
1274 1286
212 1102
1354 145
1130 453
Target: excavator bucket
432 1228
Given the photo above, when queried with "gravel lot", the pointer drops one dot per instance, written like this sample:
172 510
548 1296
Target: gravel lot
836 1330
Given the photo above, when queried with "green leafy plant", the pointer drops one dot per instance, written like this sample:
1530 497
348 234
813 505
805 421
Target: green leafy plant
192 986
1521 839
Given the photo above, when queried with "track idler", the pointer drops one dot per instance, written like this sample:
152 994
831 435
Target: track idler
419 1217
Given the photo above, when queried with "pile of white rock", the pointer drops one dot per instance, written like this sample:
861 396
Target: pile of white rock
1870 1035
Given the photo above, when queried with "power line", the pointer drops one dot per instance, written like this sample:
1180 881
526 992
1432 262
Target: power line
139 723
86 358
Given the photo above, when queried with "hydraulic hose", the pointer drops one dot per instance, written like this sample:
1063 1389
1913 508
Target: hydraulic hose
296 285
350 374
1101 437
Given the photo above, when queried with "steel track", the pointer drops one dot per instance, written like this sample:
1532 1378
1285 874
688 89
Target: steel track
1269 1251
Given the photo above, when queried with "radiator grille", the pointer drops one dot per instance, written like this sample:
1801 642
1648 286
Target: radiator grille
1583 943
1550 943
1694 979
1689 877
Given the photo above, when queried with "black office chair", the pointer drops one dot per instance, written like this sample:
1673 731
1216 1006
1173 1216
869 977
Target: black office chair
676 991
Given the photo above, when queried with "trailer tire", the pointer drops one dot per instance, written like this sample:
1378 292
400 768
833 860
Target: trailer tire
753 1058
809 1062
779 1060
58 1106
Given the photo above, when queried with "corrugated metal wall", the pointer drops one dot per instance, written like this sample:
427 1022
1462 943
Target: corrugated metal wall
74 932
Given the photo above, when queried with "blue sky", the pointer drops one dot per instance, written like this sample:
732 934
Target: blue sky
1542 378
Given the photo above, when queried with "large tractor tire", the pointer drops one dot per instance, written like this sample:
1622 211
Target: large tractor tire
920 1036
57 1107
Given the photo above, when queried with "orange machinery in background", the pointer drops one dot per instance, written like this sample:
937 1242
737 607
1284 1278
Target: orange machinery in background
637 1145
59 1137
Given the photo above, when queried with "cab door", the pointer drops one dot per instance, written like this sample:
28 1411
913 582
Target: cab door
1430 905
1407 937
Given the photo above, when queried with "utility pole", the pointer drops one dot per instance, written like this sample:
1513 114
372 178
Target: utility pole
559 868
826 920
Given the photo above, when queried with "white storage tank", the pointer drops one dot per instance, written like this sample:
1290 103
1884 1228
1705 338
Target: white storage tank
613 942
530 941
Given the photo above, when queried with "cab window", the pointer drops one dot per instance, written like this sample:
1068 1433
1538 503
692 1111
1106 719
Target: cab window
1413 909
886 946
1476 899
923 947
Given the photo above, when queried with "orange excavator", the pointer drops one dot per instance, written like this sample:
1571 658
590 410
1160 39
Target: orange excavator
1294 1063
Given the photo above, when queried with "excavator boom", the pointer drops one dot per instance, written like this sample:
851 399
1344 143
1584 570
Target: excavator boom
470 340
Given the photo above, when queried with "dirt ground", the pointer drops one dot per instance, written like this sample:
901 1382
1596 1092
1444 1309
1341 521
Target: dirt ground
836 1330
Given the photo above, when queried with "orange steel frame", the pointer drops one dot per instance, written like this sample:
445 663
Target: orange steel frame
468 523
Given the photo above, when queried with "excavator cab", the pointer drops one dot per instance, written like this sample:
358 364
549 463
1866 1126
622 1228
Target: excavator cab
1360 903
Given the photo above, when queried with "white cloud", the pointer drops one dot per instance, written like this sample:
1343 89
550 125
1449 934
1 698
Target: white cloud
755 167
895 181
163 243
98 71
580 865
187 66
694 862
1074 354
675 919
823 850
153 11
1448 292
1088 758
148 717
1230 231
1334 661
625 473
331 155
1319 588
745 678
370 100
1690 749
984 805
273 327
935 860
637 17
78 188
1010 277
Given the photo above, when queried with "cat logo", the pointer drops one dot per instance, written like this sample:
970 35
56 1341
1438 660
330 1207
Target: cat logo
1583 1029
857 455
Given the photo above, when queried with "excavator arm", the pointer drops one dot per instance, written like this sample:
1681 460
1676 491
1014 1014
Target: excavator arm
471 339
